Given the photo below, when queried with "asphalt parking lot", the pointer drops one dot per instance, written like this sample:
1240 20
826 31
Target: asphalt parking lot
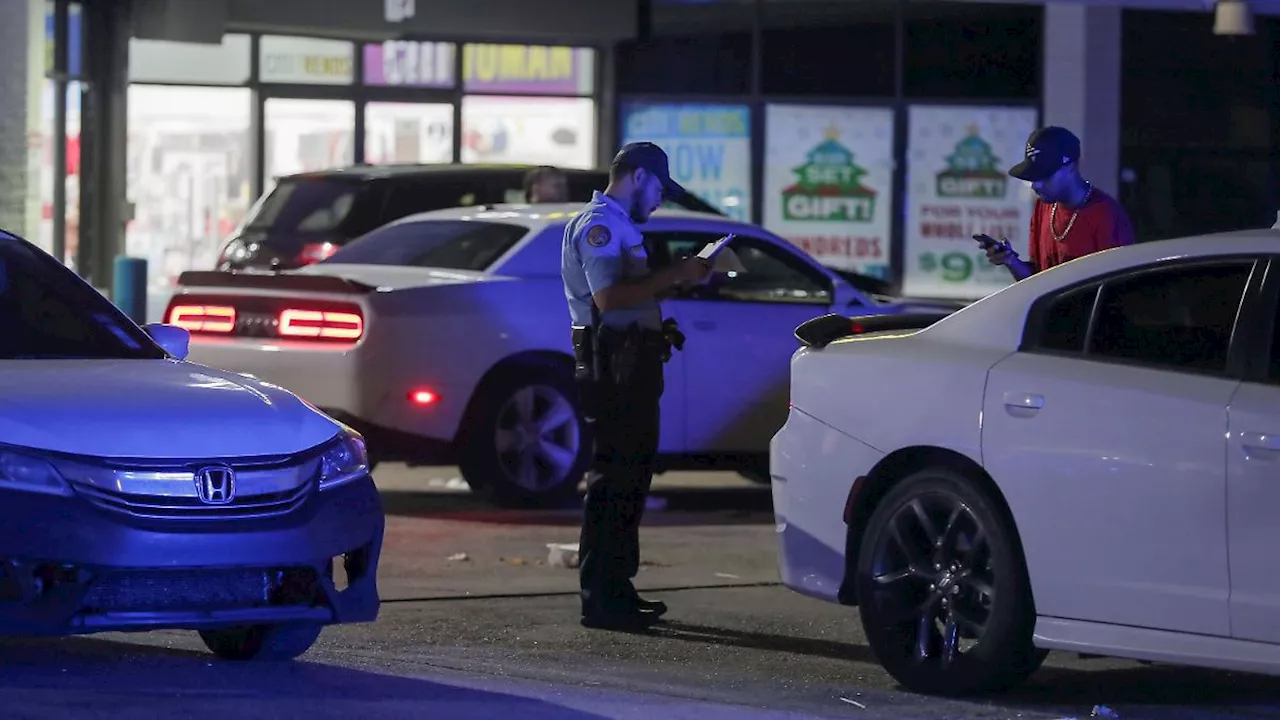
476 624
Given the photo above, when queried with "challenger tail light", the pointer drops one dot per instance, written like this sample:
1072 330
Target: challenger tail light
203 318
298 323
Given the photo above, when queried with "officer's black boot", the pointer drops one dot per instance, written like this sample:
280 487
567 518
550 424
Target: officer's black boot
657 607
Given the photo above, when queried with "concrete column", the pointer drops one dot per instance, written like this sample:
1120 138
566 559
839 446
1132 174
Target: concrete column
1081 86
15 45
105 139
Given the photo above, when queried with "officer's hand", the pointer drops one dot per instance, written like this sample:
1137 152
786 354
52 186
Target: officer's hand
692 270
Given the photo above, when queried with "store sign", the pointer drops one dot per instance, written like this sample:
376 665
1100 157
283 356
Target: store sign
166 61
709 147
409 64
398 10
958 187
528 69
310 61
529 130
828 183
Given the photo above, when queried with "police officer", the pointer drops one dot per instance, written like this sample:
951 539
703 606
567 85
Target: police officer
620 346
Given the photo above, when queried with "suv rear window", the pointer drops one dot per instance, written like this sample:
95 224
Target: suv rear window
446 244
305 205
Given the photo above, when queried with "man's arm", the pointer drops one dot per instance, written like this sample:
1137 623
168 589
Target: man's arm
1022 269
601 254
636 291
1121 228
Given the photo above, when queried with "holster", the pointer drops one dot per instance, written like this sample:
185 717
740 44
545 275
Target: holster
618 354
587 369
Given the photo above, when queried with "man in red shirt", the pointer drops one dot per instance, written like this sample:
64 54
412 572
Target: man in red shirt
1071 218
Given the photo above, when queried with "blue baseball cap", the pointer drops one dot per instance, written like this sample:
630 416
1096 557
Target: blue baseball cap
653 160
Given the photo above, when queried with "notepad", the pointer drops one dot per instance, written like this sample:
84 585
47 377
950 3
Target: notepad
712 249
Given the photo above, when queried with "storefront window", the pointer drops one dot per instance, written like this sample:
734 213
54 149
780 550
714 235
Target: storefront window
408 133
44 172
189 161
307 135
38 224
529 130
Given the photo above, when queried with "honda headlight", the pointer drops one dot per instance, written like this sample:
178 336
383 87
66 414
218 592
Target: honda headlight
30 473
343 461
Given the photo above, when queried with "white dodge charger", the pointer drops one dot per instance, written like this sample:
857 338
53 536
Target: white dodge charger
1088 460
444 337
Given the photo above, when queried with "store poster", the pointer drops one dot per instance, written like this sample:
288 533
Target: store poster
958 159
828 183
529 131
709 147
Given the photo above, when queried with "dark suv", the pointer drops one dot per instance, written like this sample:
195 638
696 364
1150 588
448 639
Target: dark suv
305 218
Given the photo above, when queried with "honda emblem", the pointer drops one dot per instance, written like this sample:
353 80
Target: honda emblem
216 485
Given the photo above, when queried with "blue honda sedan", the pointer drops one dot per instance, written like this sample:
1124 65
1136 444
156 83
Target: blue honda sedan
139 491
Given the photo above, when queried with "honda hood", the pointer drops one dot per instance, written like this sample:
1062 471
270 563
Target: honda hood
151 409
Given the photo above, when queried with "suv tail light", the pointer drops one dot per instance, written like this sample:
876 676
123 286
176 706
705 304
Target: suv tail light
203 318
315 252
329 325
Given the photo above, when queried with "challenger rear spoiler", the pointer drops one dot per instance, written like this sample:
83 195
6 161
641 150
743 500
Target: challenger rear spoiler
263 281
822 331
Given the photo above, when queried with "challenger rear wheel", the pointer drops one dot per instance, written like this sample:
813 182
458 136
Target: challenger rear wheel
942 590
527 444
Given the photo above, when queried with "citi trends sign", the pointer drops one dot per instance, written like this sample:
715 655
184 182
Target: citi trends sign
973 170
829 186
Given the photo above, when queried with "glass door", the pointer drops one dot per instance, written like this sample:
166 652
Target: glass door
402 132
305 135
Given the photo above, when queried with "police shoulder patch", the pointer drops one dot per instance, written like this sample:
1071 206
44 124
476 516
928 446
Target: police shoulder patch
598 236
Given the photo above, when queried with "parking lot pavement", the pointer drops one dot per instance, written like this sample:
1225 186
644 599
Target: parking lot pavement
493 633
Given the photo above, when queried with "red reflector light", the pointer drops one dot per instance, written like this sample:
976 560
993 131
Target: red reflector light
203 318
422 397
321 324
315 252
858 328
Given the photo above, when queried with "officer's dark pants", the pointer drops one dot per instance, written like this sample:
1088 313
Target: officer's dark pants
626 438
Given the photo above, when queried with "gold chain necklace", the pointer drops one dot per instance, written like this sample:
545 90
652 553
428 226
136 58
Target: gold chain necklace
1053 214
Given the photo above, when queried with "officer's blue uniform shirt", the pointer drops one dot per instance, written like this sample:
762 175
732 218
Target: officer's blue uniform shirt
601 248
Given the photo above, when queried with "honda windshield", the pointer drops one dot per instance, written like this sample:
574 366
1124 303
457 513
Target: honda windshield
47 313
447 244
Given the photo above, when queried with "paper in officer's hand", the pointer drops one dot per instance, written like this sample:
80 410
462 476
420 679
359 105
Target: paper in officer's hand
713 249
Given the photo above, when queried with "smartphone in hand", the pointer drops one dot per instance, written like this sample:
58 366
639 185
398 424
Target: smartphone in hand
986 241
